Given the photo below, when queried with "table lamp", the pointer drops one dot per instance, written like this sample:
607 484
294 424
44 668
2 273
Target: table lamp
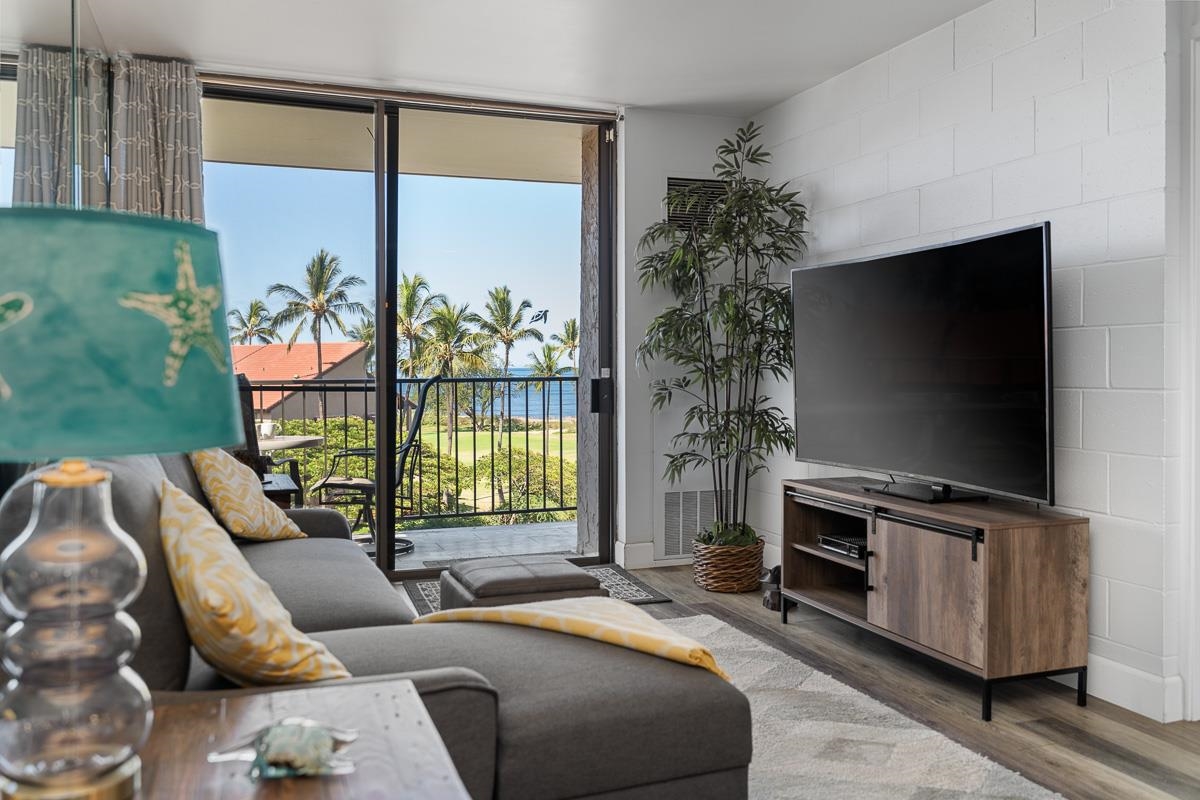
112 342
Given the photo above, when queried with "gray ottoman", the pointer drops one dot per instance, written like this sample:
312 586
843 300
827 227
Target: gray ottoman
504 580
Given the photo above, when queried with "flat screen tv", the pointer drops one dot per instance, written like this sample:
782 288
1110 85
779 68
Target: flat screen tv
932 364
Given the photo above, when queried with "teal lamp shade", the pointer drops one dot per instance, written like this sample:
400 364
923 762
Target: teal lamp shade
113 337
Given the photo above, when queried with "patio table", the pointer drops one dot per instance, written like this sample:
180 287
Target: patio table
289 442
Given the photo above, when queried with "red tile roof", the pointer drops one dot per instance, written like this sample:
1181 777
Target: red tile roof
275 362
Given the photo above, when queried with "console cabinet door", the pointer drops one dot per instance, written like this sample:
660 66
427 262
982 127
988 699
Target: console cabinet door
928 589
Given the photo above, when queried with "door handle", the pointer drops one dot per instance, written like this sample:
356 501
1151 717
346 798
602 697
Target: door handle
601 395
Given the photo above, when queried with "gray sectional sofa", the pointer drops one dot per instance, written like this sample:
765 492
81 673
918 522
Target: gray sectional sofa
525 713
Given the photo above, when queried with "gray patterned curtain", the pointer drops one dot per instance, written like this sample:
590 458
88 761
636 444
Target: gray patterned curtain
43 163
155 163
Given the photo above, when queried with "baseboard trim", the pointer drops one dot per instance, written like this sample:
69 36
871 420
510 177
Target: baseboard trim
672 562
634 555
1151 696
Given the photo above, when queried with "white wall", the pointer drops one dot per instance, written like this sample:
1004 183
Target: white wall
652 146
1020 111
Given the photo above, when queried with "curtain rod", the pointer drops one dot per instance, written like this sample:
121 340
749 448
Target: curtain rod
419 100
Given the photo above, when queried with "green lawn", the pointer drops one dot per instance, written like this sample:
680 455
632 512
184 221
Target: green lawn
479 444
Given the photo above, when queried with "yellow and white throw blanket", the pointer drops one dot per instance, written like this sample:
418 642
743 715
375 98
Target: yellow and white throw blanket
601 618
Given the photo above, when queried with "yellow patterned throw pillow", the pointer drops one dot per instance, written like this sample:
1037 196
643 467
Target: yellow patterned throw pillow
233 618
237 498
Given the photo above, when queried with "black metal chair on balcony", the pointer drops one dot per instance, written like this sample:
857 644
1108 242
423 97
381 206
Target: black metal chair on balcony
251 455
341 488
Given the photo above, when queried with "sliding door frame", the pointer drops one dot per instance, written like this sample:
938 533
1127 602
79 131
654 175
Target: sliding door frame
606 346
386 107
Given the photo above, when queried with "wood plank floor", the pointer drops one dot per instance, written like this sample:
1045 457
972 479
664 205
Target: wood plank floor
1101 751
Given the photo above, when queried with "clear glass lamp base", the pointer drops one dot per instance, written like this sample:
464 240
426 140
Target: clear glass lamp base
74 714
122 783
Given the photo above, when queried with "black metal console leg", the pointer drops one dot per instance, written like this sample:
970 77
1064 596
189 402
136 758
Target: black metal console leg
783 606
1081 688
987 701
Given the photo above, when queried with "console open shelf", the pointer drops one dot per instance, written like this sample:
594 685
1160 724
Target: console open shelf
996 588
857 564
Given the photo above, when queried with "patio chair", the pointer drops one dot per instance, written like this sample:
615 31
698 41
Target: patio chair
340 488
251 455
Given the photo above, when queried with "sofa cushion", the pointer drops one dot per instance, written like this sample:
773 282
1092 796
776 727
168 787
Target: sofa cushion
327 584
237 499
577 717
162 659
234 619
178 468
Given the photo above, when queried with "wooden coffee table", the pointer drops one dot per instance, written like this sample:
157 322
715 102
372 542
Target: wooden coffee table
398 753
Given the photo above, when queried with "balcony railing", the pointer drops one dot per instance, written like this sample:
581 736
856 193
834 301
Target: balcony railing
499 449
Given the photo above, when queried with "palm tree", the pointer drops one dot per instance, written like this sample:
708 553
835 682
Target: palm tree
568 340
365 332
252 326
545 364
415 301
322 301
506 326
452 344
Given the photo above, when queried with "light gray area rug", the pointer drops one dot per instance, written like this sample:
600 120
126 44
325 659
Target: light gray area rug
815 737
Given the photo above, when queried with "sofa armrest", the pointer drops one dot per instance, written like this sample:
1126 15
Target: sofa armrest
320 523
461 703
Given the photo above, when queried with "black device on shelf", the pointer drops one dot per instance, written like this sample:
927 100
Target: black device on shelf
932 365
852 546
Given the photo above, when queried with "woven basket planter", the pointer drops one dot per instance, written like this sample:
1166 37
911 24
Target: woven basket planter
727 567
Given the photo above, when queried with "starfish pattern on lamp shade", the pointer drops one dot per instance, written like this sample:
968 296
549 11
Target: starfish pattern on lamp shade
14 307
188 314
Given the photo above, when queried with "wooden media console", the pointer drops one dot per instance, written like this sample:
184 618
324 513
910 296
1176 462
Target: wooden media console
998 588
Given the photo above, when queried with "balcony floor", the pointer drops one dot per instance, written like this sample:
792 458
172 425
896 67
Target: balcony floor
436 546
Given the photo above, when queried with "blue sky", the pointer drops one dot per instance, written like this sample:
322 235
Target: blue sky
464 235
6 176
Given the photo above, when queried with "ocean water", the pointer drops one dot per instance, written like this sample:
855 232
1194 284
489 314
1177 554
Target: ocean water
528 401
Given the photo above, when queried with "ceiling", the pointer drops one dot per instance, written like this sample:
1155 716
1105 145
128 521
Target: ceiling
433 142
730 57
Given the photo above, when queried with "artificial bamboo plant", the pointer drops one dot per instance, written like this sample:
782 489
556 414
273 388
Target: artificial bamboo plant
730 326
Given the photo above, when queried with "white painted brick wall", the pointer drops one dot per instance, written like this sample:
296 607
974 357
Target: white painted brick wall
959 201
1066 294
959 97
1136 487
1136 354
1055 14
891 217
995 138
1123 294
1125 35
992 29
1041 67
1134 93
890 124
1081 358
1022 111
1123 422
1125 163
1129 551
1072 116
925 160
921 61
1035 183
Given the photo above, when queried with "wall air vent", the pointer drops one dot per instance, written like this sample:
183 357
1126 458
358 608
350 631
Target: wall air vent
685 515
704 194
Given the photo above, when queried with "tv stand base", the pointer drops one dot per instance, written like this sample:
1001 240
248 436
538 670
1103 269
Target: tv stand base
926 492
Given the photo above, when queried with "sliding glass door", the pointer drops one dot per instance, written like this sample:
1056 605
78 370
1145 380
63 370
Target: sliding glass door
423 312
498 311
